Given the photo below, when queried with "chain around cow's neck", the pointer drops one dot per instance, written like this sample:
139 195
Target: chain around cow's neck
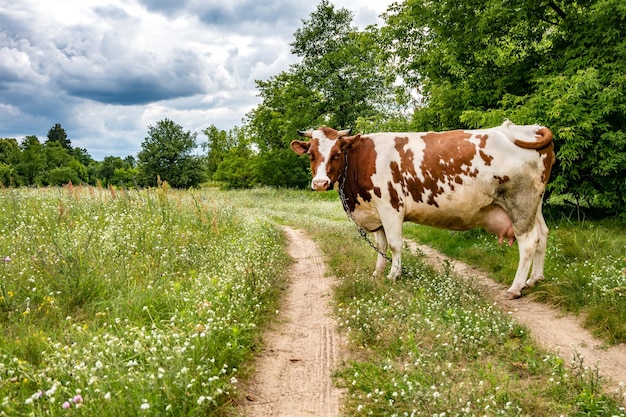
346 207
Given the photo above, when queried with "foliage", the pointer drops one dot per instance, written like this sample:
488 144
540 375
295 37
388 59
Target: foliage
167 153
339 64
475 63
59 135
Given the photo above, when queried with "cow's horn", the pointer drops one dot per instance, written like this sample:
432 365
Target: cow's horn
305 133
344 132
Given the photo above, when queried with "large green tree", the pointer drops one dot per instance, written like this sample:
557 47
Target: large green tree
340 64
168 153
473 63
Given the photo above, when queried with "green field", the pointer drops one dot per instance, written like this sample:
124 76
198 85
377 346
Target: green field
152 303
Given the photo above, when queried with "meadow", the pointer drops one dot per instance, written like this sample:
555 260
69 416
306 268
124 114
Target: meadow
152 302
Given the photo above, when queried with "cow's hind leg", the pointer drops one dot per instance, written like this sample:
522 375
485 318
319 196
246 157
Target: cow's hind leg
528 243
540 252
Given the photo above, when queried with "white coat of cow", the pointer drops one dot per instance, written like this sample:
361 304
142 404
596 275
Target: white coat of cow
491 178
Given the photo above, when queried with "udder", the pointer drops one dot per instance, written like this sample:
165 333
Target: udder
498 222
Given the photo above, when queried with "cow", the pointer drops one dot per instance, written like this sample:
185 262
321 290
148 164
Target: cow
492 178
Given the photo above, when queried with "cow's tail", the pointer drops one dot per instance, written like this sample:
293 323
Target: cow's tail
542 135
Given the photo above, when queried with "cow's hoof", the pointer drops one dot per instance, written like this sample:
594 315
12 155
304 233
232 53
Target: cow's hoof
532 281
512 296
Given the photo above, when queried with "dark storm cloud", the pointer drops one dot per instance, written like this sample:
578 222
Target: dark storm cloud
239 16
107 70
135 80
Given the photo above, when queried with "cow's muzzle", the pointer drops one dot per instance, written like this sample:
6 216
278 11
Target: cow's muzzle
320 185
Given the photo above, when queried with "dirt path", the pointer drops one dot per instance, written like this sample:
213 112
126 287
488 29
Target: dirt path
294 372
550 327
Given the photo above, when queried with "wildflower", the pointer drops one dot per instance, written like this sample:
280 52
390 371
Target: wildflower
107 396
144 405
77 399
6 259
66 405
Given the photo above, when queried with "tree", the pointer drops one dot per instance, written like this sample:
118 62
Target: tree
32 163
218 143
58 134
167 153
341 65
9 151
475 63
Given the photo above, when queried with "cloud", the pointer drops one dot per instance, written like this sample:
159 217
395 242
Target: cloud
107 69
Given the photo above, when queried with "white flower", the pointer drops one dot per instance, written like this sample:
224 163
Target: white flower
144 406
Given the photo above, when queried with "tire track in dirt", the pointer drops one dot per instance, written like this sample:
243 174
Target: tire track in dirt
294 372
551 328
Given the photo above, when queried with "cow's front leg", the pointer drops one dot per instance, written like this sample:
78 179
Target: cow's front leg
381 244
393 230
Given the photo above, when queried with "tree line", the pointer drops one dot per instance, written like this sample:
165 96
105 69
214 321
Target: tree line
430 66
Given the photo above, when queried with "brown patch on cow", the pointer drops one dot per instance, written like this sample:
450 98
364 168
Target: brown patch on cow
447 158
486 158
502 180
549 158
361 167
405 174
394 198
483 141
329 132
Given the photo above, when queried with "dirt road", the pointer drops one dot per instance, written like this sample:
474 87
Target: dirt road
294 372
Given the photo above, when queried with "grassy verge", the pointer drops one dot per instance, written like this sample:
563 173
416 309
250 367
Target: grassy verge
585 267
130 303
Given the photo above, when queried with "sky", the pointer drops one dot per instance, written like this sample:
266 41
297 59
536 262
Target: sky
106 70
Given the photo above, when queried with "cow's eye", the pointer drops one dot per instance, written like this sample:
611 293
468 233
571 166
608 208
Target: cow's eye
312 157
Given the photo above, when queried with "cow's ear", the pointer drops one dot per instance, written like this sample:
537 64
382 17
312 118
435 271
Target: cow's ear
300 147
349 142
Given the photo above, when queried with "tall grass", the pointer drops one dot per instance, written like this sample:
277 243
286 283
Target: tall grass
151 303
130 303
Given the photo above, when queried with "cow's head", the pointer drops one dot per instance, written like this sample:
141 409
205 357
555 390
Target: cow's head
325 150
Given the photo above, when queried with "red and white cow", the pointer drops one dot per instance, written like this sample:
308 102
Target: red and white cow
491 178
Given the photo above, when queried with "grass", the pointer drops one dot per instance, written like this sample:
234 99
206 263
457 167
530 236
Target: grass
152 302
585 267
130 303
